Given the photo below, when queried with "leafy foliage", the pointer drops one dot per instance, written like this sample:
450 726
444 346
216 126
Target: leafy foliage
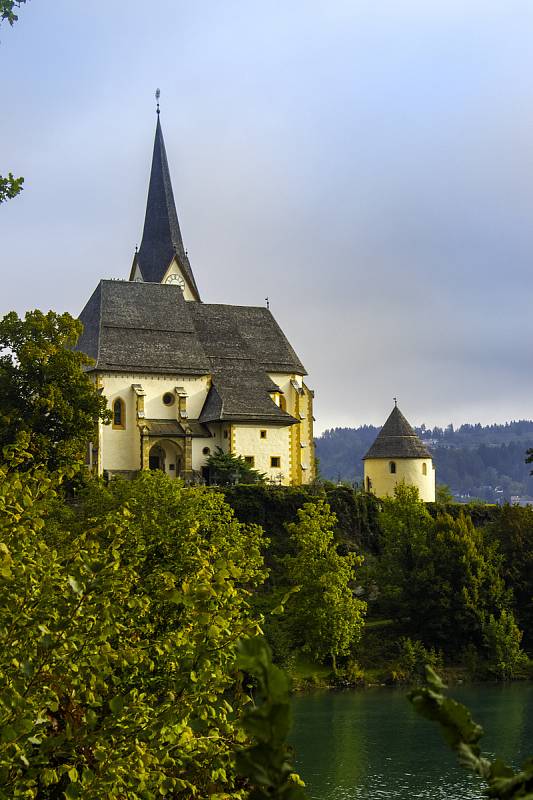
512 530
441 578
325 616
10 187
119 623
463 735
7 10
503 638
267 764
413 658
44 390
226 469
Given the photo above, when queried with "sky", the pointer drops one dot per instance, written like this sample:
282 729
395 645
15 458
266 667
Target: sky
368 166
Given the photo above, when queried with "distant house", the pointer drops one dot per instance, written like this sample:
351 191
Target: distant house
398 455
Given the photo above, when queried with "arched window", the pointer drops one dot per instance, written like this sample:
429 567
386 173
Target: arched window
368 484
424 469
119 413
392 467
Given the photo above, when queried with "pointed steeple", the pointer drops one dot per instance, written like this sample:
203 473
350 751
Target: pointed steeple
397 439
161 240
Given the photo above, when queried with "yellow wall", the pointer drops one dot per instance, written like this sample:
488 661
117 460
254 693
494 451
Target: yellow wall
299 405
408 471
248 442
120 449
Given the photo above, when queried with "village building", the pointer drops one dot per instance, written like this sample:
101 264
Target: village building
183 377
398 455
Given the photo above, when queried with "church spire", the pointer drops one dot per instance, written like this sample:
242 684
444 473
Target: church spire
161 240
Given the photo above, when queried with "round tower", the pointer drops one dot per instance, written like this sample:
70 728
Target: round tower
399 456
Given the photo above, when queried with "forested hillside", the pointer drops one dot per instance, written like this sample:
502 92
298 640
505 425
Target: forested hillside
480 461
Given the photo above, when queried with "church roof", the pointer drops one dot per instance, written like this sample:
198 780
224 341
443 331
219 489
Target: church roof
161 240
141 327
397 439
150 328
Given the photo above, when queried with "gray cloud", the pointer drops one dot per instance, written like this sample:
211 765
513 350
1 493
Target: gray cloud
367 166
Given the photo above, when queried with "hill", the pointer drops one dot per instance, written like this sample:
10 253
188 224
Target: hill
473 460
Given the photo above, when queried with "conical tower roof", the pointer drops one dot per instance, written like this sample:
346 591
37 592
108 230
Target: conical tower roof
161 240
397 439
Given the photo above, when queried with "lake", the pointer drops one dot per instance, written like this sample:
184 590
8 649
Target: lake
369 743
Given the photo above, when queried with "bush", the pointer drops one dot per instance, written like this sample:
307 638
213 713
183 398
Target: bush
413 658
503 638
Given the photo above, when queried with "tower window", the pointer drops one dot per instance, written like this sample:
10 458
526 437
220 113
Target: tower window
392 467
424 469
263 434
250 460
168 398
119 413
275 462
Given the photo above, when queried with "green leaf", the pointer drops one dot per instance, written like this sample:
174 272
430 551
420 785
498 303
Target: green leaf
116 704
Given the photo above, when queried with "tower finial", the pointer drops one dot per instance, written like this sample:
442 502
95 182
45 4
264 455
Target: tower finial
395 402
157 96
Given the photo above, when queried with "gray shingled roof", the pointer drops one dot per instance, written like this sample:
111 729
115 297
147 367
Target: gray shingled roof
161 240
249 332
141 327
151 328
397 440
171 427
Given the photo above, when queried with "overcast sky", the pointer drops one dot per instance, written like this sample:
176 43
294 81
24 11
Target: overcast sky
367 165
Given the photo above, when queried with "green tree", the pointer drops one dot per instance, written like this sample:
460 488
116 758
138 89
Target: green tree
503 638
529 459
441 579
404 541
44 388
226 469
513 531
463 585
326 618
443 495
119 625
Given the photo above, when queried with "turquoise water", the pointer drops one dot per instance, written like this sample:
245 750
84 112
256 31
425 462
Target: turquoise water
370 743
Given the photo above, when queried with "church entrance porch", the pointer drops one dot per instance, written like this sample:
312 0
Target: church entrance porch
166 456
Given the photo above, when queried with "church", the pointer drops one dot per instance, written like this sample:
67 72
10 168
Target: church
182 377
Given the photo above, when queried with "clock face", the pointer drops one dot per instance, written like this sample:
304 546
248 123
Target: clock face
176 279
